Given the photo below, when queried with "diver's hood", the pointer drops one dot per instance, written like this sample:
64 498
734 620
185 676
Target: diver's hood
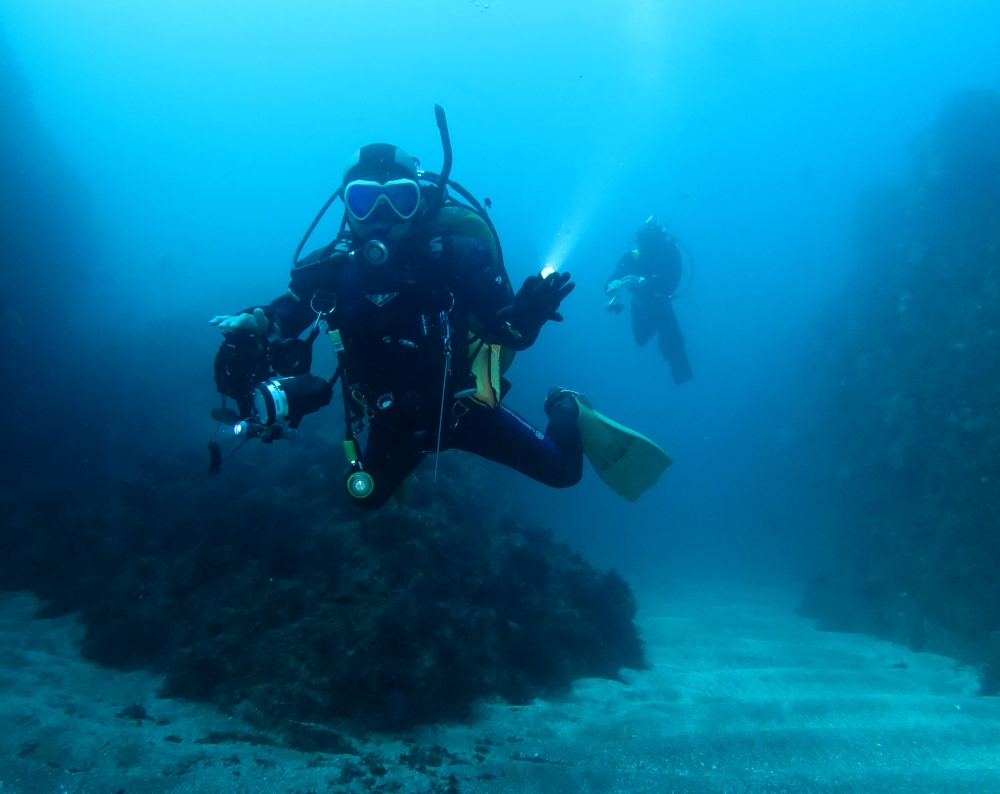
650 239
380 162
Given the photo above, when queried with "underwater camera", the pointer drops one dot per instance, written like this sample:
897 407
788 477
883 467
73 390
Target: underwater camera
279 404
277 407
289 399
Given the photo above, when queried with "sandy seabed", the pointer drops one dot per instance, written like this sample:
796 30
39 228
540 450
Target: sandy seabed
742 696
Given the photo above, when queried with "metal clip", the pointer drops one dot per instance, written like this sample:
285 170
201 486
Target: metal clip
458 409
359 398
445 331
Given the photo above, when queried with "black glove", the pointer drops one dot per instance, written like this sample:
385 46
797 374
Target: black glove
537 301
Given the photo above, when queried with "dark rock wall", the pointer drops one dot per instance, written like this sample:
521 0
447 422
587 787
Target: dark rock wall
46 254
905 406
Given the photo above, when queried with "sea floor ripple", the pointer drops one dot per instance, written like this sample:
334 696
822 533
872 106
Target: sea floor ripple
742 696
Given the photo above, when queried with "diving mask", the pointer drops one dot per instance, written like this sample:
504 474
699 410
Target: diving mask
362 196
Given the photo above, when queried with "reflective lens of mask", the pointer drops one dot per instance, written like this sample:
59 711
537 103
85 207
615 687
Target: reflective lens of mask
362 196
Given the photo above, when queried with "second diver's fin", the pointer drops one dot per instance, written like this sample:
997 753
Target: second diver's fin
627 461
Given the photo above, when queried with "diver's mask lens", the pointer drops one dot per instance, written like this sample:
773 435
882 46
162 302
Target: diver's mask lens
362 197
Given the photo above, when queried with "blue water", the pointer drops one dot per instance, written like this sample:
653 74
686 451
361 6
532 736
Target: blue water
206 135
203 137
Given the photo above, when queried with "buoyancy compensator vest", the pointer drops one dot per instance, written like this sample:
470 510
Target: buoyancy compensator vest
394 319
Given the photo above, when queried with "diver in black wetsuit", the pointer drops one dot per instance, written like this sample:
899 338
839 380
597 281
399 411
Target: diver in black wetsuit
651 271
415 289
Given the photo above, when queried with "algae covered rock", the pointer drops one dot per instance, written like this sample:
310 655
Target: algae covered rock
287 605
907 388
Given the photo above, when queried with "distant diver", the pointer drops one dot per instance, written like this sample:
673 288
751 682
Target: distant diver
651 270
416 300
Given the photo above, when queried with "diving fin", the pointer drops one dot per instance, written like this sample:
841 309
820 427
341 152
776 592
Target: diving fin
627 461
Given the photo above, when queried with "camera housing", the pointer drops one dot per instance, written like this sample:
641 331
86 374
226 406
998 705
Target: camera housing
289 399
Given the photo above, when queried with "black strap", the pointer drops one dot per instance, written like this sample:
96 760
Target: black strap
348 430
475 337
337 374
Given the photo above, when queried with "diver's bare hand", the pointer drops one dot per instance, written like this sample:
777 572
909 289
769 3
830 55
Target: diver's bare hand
256 323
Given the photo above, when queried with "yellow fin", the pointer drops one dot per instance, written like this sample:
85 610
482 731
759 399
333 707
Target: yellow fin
627 461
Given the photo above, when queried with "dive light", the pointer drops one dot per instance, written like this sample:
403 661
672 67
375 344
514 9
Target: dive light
266 433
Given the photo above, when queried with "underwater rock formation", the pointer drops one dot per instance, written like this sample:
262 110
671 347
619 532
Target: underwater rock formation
906 401
45 249
282 602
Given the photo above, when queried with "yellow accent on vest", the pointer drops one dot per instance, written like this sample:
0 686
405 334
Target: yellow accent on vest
488 362
486 367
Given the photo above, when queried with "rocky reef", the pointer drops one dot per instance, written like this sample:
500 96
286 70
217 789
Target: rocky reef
267 593
905 402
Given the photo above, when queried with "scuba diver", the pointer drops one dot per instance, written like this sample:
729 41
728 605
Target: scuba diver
417 303
651 271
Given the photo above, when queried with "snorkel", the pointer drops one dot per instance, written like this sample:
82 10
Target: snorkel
442 123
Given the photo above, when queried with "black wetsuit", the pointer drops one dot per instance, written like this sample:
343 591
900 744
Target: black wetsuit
659 264
393 319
